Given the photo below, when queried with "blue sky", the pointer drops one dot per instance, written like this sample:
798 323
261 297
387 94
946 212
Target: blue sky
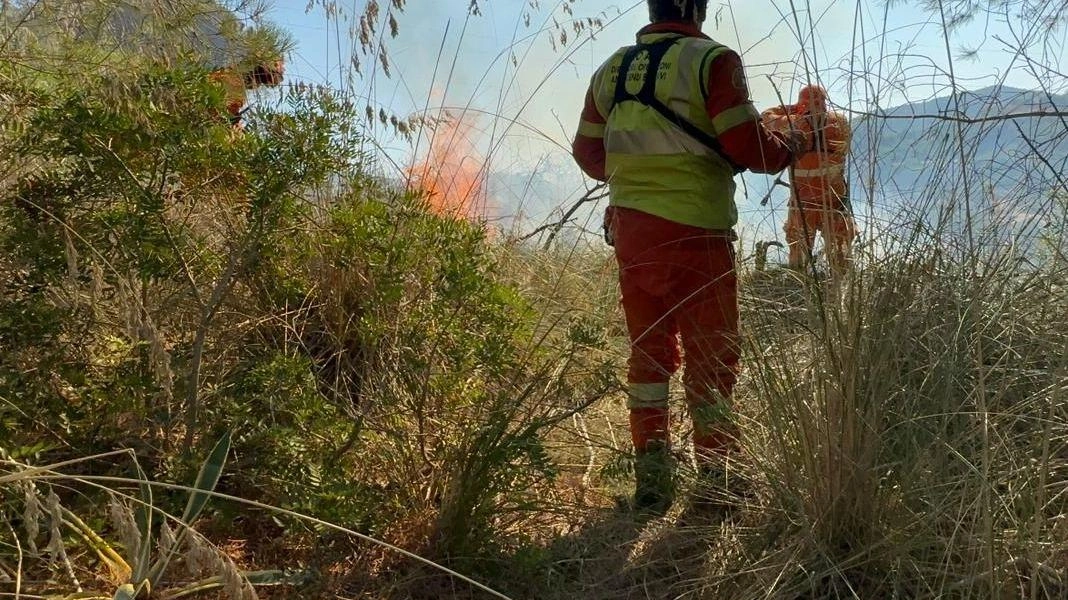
763 31
867 53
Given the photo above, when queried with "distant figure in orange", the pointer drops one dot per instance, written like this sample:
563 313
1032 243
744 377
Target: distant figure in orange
239 58
819 196
236 83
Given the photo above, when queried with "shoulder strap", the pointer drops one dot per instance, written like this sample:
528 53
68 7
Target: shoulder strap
819 126
646 95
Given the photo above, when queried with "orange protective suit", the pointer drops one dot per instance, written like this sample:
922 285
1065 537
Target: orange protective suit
678 281
235 85
819 193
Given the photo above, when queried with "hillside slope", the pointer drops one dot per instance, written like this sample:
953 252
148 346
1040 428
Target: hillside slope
913 149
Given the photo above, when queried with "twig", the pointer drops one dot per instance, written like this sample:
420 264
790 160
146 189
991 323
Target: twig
26 16
220 291
963 119
1045 161
592 195
591 464
767 196
19 567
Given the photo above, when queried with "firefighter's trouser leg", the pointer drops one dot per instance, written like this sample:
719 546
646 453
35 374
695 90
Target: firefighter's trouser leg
654 357
800 232
709 328
677 279
816 207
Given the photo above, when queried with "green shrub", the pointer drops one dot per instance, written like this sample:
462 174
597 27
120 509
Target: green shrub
172 281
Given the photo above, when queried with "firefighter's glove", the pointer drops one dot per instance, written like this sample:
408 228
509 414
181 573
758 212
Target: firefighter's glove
797 141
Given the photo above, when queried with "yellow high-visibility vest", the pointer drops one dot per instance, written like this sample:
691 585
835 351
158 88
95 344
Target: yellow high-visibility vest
653 164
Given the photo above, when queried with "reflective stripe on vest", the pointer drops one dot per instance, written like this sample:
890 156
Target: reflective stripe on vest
593 130
653 142
822 172
653 165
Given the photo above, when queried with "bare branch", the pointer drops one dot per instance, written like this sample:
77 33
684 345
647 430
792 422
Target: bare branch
966 120
1053 170
592 195
767 196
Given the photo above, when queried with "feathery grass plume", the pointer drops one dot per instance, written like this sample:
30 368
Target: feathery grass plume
199 556
167 540
56 548
124 524
160 360
235 585
32 514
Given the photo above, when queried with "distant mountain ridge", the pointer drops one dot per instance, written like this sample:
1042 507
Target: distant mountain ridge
916 149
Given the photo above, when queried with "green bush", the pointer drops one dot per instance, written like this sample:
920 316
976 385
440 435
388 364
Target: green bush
168 282
440 394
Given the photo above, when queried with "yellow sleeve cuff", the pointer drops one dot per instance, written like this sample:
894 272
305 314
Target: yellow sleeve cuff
735 116
593 130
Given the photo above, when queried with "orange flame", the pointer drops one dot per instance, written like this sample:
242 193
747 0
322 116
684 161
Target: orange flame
452 175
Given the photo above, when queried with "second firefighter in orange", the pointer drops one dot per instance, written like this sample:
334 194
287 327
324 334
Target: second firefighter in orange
819 196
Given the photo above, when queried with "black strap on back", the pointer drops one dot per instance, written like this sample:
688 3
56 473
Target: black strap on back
647 94
818 123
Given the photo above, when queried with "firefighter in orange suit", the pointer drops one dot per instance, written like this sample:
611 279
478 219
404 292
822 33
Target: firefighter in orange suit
236 82
238 58
668 123
819 195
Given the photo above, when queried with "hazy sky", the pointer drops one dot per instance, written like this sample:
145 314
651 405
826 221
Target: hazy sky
867 53
545 91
